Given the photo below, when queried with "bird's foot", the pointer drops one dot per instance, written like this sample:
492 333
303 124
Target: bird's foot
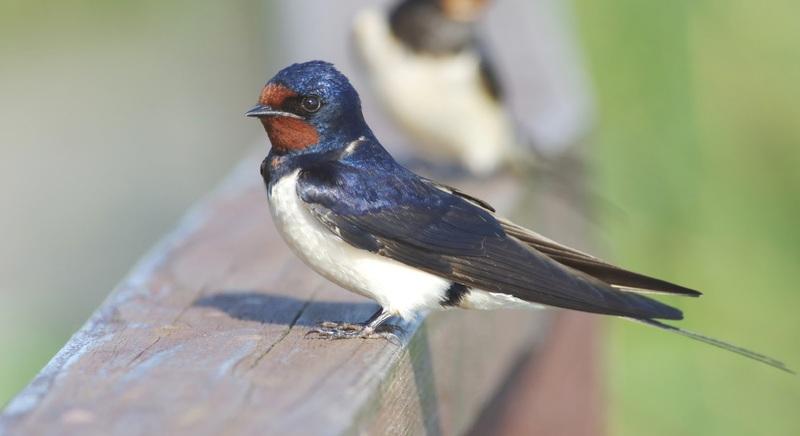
346 330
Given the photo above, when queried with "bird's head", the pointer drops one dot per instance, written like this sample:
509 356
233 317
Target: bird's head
309 107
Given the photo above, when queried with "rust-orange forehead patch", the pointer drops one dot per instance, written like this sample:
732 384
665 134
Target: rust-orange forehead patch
274 95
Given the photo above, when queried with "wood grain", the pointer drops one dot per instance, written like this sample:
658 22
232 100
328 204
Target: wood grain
207 336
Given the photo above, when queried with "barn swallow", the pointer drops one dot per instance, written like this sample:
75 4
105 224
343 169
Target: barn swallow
366 223
429 69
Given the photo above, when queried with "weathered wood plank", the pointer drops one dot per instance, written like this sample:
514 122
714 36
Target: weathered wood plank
206 336
558 393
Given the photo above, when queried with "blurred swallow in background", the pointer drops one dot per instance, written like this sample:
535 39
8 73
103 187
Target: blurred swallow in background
428 68
358 218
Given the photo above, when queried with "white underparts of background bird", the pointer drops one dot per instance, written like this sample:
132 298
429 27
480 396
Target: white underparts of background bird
430 71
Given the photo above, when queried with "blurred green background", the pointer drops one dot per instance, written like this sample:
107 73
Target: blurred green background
699 145
116 116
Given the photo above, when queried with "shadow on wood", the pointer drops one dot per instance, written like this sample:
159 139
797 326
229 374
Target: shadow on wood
277 309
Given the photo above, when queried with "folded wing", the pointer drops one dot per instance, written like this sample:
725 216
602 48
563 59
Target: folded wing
449 236
597 268
593 266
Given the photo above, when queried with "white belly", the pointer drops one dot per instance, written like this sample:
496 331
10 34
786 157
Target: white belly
398 288
440 99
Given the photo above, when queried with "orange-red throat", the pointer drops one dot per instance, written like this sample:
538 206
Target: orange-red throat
287 132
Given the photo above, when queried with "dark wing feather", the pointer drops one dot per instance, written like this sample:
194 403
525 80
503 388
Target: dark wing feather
593 266
578 260
455 239
459 193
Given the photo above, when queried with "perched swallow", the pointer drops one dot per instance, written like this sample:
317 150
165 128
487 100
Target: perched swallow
366 223
427 66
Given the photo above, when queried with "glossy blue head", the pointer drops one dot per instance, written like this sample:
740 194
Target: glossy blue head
309 107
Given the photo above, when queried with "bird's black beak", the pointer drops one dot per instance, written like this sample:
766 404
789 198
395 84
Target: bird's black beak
263 110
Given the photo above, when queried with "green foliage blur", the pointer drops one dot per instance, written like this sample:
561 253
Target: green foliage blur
699 145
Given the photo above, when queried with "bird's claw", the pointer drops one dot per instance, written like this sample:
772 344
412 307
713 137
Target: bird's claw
334 330
345 326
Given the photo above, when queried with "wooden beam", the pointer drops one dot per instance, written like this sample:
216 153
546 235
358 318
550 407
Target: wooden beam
207 335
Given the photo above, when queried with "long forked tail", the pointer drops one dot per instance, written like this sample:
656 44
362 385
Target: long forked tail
717 343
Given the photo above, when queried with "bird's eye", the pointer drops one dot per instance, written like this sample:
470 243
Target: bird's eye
311 103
